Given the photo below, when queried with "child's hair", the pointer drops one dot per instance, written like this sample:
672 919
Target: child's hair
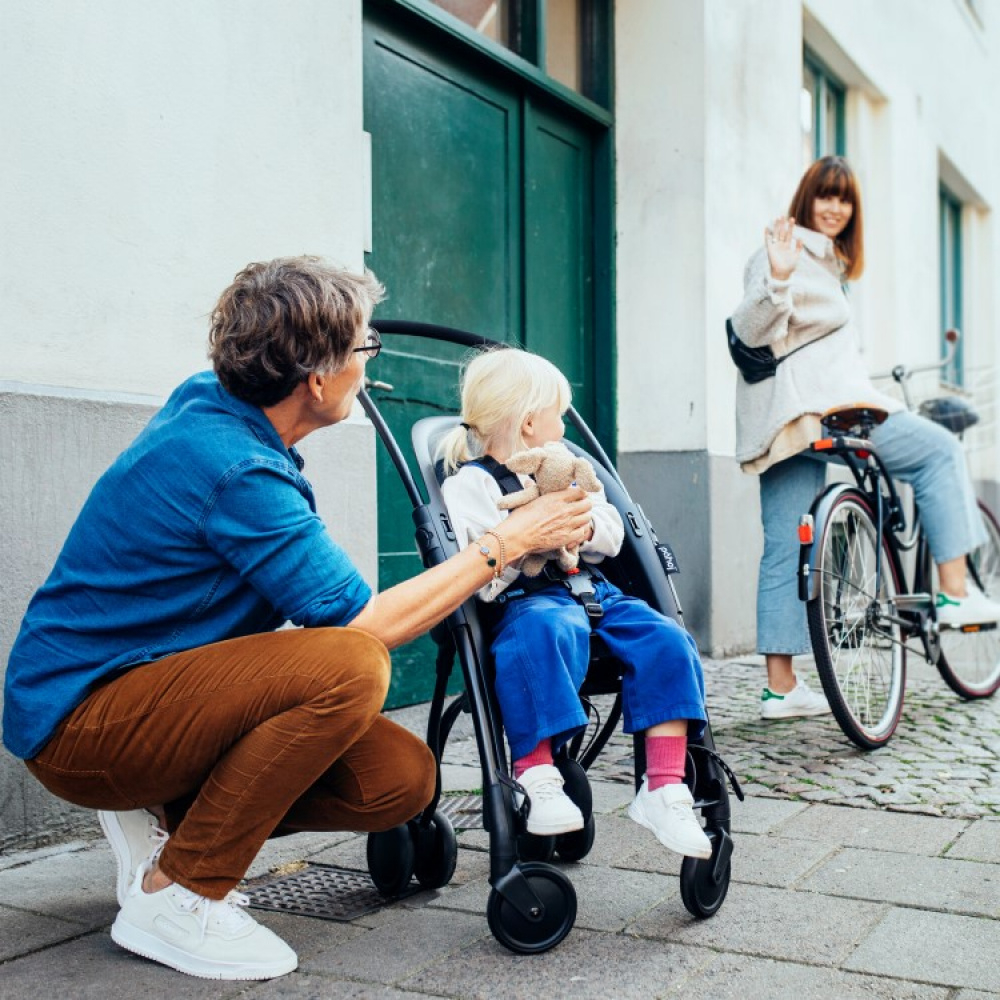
501 388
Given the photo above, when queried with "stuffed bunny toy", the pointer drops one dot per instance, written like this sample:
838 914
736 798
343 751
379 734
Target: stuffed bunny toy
554 467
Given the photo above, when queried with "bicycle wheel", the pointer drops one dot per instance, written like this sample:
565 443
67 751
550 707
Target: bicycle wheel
970 658
859 651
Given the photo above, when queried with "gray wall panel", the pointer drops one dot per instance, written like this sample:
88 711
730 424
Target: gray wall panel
710 514
54 444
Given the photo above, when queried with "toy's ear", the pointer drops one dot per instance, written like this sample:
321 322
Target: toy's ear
526 462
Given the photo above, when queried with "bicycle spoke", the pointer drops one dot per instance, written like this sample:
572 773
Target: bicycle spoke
856 635
970 661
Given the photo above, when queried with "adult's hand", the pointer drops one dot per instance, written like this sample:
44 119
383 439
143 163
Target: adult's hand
783 248
550 522
410 608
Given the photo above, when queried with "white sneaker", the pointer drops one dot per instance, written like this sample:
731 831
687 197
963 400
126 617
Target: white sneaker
135 837
801 702
958 612
213 939
551 810
669 814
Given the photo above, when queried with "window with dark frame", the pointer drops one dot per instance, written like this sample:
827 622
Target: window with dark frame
822 108
565 39
950 235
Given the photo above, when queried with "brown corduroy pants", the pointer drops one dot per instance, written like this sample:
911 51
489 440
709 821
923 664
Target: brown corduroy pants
272 733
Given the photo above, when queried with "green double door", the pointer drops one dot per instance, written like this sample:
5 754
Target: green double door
482 219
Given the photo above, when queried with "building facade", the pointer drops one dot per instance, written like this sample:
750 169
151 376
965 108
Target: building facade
581 176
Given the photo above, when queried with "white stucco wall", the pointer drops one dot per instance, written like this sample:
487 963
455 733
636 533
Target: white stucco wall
151 150
709 151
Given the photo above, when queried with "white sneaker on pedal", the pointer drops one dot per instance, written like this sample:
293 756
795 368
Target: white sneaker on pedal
135 836
799 703
213 939
960 612
551 809
669 814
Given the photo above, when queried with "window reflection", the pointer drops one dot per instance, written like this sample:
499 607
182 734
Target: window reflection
490 18
563 42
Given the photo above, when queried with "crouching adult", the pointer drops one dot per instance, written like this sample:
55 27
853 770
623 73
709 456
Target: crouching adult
150 680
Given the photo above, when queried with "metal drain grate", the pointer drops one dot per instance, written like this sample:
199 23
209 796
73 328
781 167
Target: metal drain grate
323 891
464 811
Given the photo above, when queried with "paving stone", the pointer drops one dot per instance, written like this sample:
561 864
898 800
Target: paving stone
22 932
95 968
872 829
769 922
619 840
585 964
740 977
317 987
77 886
609 899
933 947
776 861
15 859
980 842
407 942
930 883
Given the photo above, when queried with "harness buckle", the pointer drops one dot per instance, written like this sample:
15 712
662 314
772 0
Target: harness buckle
581 585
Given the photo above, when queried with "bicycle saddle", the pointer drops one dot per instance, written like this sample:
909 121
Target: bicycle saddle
844 419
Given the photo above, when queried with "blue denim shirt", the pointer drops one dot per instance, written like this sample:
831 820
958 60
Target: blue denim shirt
203 529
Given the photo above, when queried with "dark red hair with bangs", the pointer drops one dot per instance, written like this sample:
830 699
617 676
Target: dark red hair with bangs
832 175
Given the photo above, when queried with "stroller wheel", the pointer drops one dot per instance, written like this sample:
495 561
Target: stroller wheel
391 858
530 937
532 847
576 845
705 882
437 852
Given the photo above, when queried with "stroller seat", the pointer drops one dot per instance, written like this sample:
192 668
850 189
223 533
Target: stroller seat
532 903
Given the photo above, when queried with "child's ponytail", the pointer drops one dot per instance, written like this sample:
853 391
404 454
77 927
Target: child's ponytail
454 448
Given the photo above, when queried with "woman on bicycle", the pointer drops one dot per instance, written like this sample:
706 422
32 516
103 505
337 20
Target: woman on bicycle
794 297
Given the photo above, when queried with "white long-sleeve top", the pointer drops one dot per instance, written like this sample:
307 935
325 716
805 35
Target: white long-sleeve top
786 315
471 496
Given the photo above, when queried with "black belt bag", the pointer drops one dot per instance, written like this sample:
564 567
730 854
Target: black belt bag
758 363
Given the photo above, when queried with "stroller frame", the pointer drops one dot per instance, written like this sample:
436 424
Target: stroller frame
532 904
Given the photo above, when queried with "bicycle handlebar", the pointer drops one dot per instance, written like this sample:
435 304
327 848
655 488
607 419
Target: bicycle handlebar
901 373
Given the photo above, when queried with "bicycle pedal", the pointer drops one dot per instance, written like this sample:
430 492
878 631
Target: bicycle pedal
912 602
969 629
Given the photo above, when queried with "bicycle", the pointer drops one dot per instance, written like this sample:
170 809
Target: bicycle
862 610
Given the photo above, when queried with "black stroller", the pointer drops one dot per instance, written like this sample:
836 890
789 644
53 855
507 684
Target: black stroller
532 905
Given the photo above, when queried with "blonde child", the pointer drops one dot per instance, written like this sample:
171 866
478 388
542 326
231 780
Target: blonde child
540 640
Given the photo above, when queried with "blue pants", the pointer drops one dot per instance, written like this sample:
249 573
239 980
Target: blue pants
541 647
916 451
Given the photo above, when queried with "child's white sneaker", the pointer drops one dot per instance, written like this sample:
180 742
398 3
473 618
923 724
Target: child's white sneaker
210 938
552 810
669 814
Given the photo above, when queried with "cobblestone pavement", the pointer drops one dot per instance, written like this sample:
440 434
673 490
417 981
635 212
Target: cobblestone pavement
944 759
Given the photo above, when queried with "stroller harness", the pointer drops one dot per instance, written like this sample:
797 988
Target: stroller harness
580 582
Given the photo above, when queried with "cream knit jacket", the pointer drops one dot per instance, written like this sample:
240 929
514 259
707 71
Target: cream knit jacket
787 314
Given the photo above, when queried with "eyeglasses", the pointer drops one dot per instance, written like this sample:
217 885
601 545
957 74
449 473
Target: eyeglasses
372 345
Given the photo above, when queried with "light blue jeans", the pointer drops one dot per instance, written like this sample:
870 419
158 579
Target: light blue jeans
916 451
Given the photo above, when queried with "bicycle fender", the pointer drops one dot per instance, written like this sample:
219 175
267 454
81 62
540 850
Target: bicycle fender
809 583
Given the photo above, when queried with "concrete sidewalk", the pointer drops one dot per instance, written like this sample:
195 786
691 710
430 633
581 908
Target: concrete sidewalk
854 876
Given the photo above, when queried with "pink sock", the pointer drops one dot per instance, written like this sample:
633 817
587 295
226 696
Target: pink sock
542 754
665 757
